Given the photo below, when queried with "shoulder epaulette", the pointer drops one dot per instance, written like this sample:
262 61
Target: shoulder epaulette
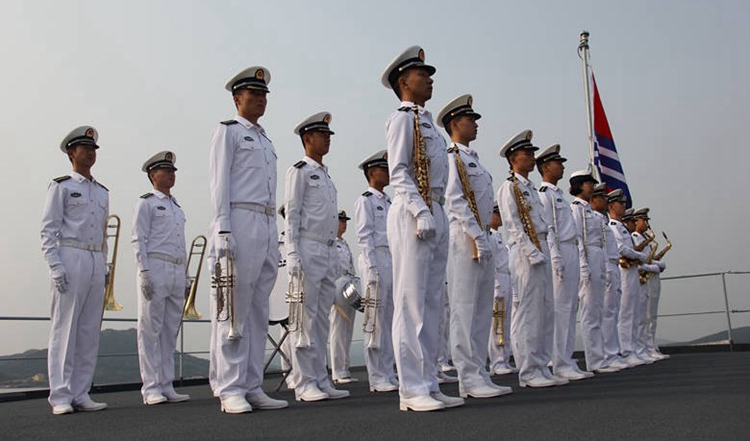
612 223
102 186
300 164
543 189
229 122
576 202
405 109
147 195
175 202
62 178
510 179
367 193
453 149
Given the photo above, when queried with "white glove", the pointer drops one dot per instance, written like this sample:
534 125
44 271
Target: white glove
225 245
60 278
373 276
537 258
293 265
662 265
585 279
558 268
484 251
147 285
425 225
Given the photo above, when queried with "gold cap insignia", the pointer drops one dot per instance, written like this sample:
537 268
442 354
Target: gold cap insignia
259 74
90 132
168 156
528 135
470 101
421 54
327 118
385 155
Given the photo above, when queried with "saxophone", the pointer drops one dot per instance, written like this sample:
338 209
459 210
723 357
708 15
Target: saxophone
626 263
468 194
642 274
421 162
523 213
659 256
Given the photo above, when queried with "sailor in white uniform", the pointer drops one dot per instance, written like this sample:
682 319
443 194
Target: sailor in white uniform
342 313
611 302
524 219
568 268
417 231
310 226
159 243
370 218
593 268
242 178
650 266
500 350
75 249
471 278
629 284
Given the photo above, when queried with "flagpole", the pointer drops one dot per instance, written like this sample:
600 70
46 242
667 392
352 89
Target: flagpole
583 54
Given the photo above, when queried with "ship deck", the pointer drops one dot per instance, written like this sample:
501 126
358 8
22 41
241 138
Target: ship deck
689 396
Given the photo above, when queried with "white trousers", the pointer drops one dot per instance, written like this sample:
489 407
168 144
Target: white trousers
534 314
378 347
341 318
75 321
471 290
418 285
610 313
640 321
631 290
309 344
565 292
158 323
238 364
654 292
500 355
444 330
592 306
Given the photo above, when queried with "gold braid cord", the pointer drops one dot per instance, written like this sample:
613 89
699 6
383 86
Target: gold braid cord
523 213
468 193
421 162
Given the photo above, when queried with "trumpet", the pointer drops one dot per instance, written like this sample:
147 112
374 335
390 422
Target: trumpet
295 297
371 305
224 285
113 224
197 248
498 320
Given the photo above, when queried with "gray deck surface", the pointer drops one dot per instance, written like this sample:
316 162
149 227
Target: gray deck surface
690 396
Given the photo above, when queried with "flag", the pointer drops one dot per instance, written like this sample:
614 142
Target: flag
605 153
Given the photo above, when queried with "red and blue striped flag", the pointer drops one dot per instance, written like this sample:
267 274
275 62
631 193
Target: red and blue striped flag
605 153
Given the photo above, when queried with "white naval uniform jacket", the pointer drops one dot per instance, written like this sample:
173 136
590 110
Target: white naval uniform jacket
591 229
625 244
502 268
512 222
158 227
480 181
75 211
309 186
242 168
371 222
345 266
400 140
559 214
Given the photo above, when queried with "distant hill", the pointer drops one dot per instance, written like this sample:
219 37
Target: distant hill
32 372
739 335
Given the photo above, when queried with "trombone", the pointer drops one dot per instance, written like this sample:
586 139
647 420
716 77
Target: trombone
295 297
371 305
224 285
113 224
197 248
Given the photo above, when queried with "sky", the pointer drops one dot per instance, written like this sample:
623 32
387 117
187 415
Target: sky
150 75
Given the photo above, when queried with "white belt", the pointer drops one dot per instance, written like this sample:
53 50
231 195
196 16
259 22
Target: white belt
166 258
80 245
251 206
318 238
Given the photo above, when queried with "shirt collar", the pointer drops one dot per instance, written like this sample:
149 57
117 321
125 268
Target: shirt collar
550 185
466 149
161 195
247 124
523 180
377 193
79 177
410 105
314 164
582 202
